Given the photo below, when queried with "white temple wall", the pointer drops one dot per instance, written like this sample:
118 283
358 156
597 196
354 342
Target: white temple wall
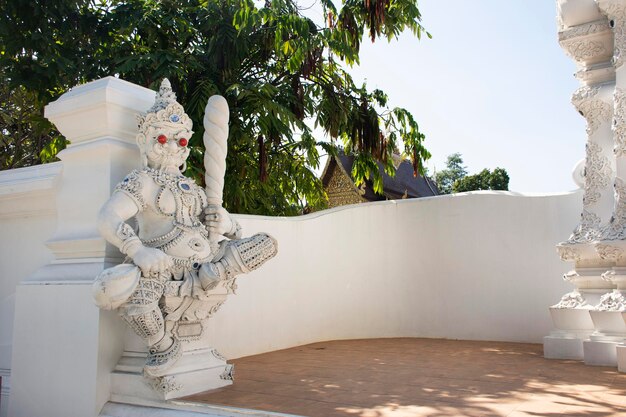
27 219
477 266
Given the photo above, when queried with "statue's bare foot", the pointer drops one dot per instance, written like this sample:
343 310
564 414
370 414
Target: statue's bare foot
159 361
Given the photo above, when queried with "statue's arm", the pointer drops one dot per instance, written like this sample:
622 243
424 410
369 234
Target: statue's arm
113 226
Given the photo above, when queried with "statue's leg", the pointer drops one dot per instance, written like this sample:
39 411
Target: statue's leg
240 257
143 315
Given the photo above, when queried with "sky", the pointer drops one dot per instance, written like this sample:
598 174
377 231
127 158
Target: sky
493 84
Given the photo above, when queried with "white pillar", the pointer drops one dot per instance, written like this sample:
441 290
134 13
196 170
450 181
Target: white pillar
64 348
586 36
610 329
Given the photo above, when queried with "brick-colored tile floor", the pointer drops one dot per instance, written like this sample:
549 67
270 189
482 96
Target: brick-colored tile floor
420 377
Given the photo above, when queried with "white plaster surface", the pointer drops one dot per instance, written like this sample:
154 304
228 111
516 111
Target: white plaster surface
480 265
600 353
563 347
68 349
27 220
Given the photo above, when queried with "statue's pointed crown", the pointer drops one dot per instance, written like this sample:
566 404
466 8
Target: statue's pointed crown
164 97
166 113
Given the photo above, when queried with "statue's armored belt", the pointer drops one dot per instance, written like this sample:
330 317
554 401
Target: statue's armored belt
175 236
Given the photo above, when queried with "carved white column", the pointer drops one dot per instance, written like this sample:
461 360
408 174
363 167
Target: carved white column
610 328
586 36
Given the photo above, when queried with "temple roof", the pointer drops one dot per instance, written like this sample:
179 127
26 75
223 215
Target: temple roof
393 188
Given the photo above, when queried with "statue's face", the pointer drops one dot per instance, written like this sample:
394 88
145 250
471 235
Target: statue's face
167 147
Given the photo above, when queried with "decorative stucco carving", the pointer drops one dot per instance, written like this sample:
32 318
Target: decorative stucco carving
616 228
584 30
598 173
594 110
567 253
584 93
189 330
612 301
608 276
584 49
588 228
570 276
165 385
616 12
608 252
619 122
572 299
229 373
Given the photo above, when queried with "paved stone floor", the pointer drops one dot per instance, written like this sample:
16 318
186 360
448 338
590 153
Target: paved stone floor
421 377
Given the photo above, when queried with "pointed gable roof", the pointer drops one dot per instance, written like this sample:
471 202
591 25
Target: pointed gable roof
404 183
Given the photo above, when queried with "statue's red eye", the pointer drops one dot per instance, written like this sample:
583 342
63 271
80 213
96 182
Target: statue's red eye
162 139
182 142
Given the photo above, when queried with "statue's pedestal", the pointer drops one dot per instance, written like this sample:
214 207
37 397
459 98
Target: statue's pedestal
573 325
610 331
196 371
200 368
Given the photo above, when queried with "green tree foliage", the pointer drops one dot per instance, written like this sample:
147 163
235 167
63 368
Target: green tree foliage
454 178
282 74
484 180
454 171
26 137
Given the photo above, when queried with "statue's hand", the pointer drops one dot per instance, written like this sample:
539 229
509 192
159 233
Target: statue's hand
218 220
151 261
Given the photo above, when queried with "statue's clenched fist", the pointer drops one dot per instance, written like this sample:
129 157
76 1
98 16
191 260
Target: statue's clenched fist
218 220
151 261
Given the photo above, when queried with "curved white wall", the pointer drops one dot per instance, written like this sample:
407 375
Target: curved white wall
478 265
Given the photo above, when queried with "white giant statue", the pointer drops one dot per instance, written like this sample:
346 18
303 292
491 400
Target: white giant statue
169 228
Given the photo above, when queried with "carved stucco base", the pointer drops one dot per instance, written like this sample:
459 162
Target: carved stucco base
571 315
197 371
609 326
609 330
201 367
572 324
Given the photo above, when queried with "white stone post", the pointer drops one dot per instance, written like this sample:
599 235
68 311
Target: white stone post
610 329
64 347
585 35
